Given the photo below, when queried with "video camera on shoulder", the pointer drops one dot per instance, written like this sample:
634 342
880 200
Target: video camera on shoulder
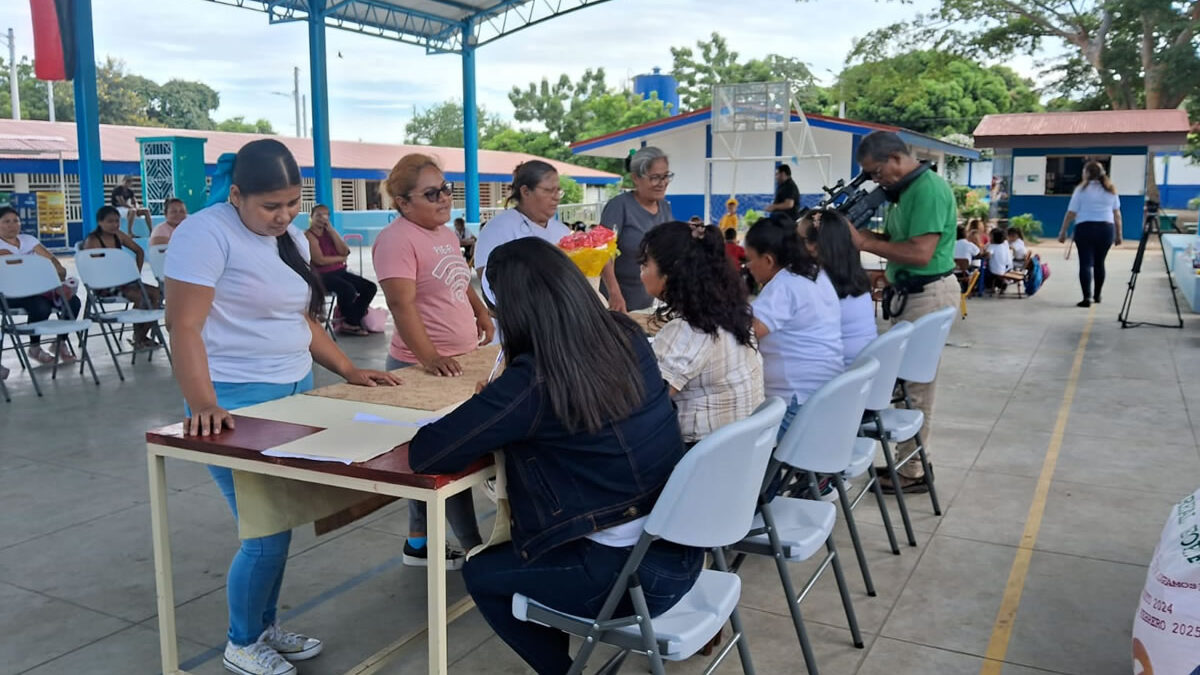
859 205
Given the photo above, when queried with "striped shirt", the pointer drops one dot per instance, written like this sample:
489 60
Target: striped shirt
719 381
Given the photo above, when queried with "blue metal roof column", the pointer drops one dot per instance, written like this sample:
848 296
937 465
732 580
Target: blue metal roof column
470 125
322 159
87 116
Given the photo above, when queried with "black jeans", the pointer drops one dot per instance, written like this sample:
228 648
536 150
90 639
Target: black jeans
573 578
39 308
1093 239
354 294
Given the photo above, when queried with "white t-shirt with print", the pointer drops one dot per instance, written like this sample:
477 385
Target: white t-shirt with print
509 226
256 330
803 348
25 245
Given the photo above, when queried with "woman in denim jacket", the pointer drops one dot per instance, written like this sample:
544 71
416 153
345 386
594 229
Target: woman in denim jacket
590 438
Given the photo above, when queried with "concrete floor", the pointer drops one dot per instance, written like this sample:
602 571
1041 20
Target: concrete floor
76 572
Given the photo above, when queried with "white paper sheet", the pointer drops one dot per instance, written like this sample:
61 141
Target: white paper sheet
348 443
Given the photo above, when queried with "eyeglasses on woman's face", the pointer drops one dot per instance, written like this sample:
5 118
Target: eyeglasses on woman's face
552 191
434 195
660 178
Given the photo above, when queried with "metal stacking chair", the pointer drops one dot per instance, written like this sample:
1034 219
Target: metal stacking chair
358 240
888 350
105 268
708 502
24 276
920 365
819 440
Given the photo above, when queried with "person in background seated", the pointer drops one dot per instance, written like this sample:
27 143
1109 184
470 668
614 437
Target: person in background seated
123 199
108 234
797 316
828 239
966 258
244 323
734 251
466 240
329 253
977 233
729 220
1020 253
589 438
176 212
706 348
999 261
437 314
787 195
37 307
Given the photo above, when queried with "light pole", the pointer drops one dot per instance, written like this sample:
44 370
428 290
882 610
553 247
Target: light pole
12 75
50 97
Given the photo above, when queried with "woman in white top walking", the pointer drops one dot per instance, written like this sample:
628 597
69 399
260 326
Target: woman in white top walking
1095 209
535 193
706 350
244 328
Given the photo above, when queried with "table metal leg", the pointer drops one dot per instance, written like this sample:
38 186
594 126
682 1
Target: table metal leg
435 531
161 535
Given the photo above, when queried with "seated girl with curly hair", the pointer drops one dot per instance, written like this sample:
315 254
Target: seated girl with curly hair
706 349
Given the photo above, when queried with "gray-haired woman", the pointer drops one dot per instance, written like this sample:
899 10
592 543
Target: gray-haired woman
631 215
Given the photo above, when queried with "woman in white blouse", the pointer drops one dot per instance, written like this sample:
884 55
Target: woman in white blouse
1095 209
706 350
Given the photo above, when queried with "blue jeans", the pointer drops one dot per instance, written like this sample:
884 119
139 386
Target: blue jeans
256 573
460 509
573 578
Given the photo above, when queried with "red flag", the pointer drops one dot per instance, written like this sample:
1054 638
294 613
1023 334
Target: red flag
49 56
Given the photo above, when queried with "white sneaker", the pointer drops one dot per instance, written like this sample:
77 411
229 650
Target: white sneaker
291 646
256 659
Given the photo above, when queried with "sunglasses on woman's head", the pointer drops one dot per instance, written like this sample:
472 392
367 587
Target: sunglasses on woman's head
435 194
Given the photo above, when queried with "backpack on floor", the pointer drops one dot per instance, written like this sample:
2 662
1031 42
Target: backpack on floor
1036 275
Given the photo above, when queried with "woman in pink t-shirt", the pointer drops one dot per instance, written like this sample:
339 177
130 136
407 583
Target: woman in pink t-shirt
438 315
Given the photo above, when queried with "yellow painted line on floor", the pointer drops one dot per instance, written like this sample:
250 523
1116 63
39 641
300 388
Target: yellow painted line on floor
1002 629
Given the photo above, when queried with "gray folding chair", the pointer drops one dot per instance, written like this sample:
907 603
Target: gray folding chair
888 350
920 365
22 276
819 440
708 502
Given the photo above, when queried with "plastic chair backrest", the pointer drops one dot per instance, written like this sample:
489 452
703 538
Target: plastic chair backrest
925 347
821 437
156 255
24 275
888 350
105 268
710 498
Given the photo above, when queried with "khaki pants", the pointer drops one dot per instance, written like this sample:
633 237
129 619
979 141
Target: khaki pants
941 293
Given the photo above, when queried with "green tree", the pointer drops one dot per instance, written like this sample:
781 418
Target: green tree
716 64
572 191
181 104
532 142
932 92
123 98
34 103
240 125
442 125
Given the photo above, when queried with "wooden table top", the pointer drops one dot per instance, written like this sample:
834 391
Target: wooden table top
252 435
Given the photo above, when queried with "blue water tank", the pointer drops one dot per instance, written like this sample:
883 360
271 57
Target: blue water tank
663 85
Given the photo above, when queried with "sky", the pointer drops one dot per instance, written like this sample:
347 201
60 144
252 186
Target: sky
375 84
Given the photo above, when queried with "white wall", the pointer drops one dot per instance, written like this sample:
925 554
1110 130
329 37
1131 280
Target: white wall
1183 171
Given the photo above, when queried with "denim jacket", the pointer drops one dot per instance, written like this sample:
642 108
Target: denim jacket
561 485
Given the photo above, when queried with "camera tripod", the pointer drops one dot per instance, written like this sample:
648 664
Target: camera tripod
1150 228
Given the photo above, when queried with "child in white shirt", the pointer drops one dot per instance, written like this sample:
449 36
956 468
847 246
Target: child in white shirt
999 257
1016 242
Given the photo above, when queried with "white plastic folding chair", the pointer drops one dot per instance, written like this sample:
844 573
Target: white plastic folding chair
920 365
29 275
819 440
708 502
879 421
156 255
104 268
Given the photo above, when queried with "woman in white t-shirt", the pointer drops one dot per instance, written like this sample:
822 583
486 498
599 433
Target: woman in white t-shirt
535 195
797 316
243 319
37 307
1095 209
827 234
706 349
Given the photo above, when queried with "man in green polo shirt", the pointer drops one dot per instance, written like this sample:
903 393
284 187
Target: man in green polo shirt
918 243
